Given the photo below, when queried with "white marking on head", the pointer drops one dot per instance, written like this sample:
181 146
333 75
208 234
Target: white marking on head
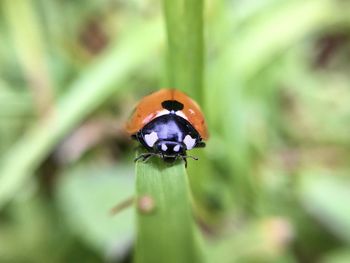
189 142
151 138
162 112
177 148
181 114
164 147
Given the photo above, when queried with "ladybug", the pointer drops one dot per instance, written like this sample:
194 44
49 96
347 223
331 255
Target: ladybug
167 123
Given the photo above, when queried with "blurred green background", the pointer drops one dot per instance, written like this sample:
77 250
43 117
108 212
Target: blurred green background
273 183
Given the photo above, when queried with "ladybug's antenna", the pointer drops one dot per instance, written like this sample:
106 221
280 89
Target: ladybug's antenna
184 157
144 156
190 156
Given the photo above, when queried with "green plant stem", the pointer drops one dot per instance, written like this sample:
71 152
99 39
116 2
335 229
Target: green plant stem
184 22
90 90
166 230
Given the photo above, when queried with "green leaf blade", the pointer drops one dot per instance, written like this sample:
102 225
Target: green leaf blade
184 22
166 232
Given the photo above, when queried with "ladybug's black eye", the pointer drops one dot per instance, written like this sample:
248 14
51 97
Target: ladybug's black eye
172 105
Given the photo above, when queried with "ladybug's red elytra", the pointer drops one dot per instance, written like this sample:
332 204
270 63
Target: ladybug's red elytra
167 123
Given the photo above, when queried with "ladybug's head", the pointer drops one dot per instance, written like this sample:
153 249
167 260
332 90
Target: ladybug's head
169 149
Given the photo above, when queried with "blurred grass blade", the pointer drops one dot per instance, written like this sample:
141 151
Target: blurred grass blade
165 224
258 44
93 87
28 40
325 197
341 255
263 240
184 22
244 56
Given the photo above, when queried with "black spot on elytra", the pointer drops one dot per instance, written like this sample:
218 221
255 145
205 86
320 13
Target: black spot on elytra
172 105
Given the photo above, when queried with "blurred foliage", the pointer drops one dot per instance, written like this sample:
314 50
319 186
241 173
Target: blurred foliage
273 182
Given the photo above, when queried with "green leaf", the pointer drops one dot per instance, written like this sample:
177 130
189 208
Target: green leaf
165 224
86 195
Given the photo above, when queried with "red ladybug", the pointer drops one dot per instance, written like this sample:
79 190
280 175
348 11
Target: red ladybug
167 123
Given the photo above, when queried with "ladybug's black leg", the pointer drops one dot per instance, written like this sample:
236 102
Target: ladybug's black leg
190 156
147 157
200 145
144 157
184 159
141 156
